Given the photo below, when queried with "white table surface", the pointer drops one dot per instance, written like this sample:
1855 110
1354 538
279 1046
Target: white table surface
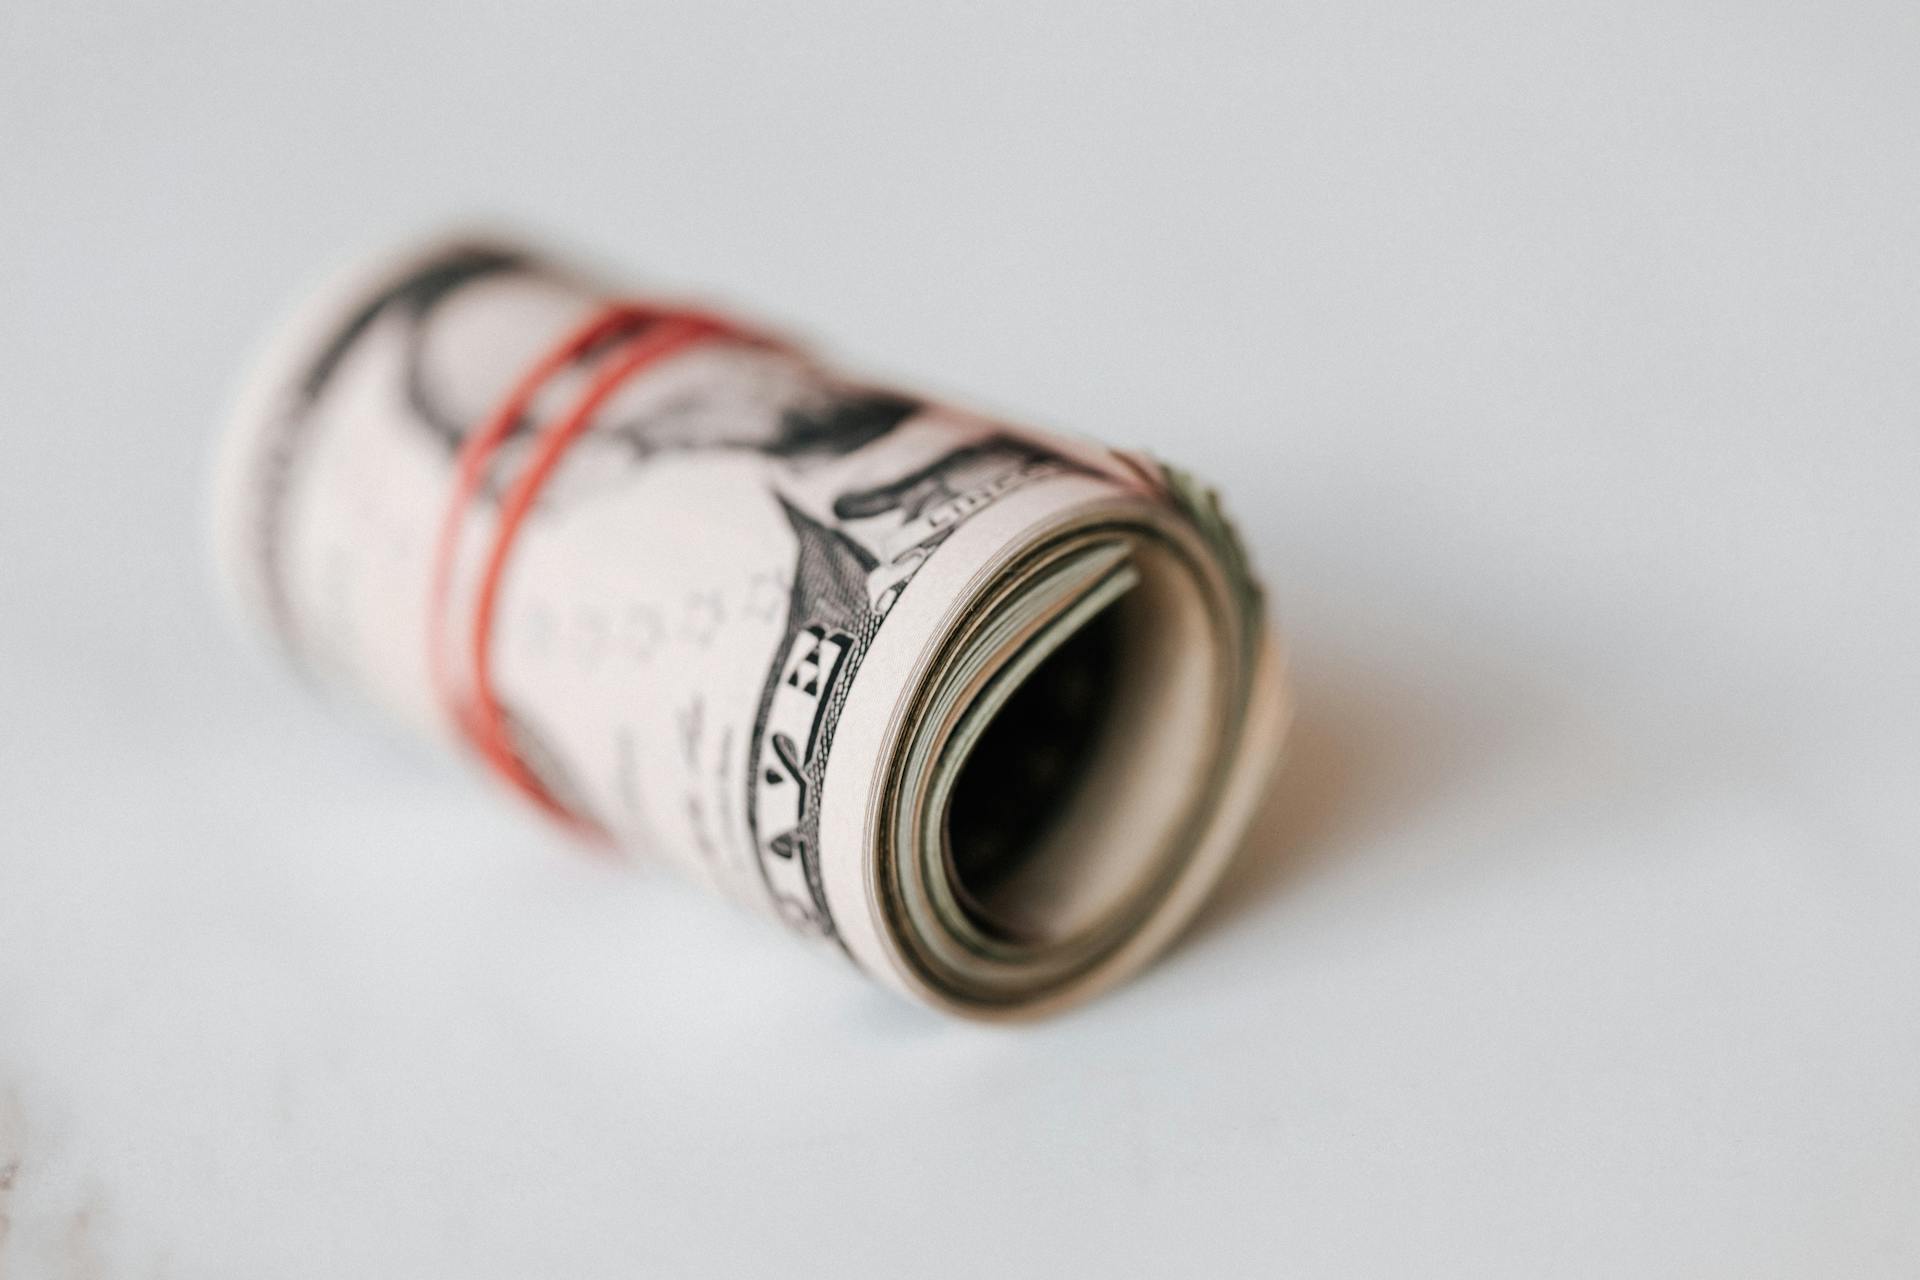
1563 365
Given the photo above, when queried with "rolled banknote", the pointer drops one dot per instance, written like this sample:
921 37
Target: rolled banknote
984 709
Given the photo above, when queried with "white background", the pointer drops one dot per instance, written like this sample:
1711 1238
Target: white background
1561 363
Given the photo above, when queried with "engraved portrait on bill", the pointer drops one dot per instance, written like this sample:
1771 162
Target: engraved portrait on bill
870 483
785 408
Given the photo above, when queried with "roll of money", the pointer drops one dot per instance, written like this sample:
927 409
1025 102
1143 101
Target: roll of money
983 708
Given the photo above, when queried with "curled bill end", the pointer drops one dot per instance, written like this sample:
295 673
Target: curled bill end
1075 759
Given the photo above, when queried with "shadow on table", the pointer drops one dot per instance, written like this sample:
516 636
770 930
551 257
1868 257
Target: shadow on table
1368 754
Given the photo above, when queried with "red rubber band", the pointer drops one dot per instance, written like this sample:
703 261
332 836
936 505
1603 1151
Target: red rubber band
640 337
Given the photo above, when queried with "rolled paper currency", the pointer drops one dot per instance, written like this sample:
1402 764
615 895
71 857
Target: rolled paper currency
984 708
